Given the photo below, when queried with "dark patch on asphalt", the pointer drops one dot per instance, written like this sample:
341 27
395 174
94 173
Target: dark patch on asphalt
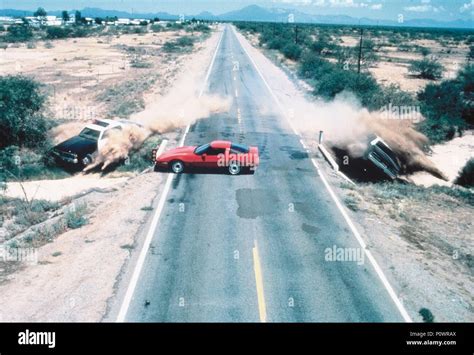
306 209
176 181
253 203
171 200
310 229
294 154
299 155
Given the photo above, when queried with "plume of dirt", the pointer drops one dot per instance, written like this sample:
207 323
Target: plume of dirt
118 145
64 131
405 141
348 126
161 117
170 112
180 106
177 109
183 103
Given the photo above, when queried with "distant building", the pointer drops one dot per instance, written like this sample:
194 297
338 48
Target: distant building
33 21
123 21
139 21
7 20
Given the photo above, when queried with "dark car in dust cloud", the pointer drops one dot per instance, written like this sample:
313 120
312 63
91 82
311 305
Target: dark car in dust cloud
79 151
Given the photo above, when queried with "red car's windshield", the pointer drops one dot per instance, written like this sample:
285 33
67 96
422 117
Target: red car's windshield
202 148
240 147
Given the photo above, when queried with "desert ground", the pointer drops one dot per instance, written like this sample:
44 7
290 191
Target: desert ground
81 72
393 63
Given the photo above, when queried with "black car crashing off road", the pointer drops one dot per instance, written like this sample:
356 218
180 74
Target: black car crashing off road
79 151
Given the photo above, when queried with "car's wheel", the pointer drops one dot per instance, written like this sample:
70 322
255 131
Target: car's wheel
234 168
177 166
87 160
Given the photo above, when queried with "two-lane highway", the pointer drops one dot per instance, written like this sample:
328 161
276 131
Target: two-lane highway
253 247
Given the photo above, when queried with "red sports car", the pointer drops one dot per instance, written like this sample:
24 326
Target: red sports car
234 157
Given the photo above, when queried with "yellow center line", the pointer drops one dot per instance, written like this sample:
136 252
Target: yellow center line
262 310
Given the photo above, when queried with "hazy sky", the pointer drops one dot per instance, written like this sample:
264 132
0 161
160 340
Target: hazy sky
381 9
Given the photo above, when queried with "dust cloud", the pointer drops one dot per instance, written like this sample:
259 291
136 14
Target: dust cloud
64 131
118 145
178 110
174 110
181 105
348 126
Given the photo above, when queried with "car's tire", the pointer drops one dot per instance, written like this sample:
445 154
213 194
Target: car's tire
234 168
177 166
87 160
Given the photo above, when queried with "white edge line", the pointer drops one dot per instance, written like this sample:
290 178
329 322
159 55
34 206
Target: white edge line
141 259
328 157
369 255
344 176
162 147
143 252
351 225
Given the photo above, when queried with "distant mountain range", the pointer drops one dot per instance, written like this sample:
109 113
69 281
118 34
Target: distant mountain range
257 13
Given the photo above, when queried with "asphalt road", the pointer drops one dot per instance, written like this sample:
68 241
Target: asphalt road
253 248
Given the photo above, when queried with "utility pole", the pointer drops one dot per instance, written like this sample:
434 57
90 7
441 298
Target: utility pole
360 50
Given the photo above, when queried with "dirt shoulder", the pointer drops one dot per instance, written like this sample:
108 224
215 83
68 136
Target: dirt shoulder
76 272
423 237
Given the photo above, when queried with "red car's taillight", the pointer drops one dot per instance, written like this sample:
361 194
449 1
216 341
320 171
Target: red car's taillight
255 157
